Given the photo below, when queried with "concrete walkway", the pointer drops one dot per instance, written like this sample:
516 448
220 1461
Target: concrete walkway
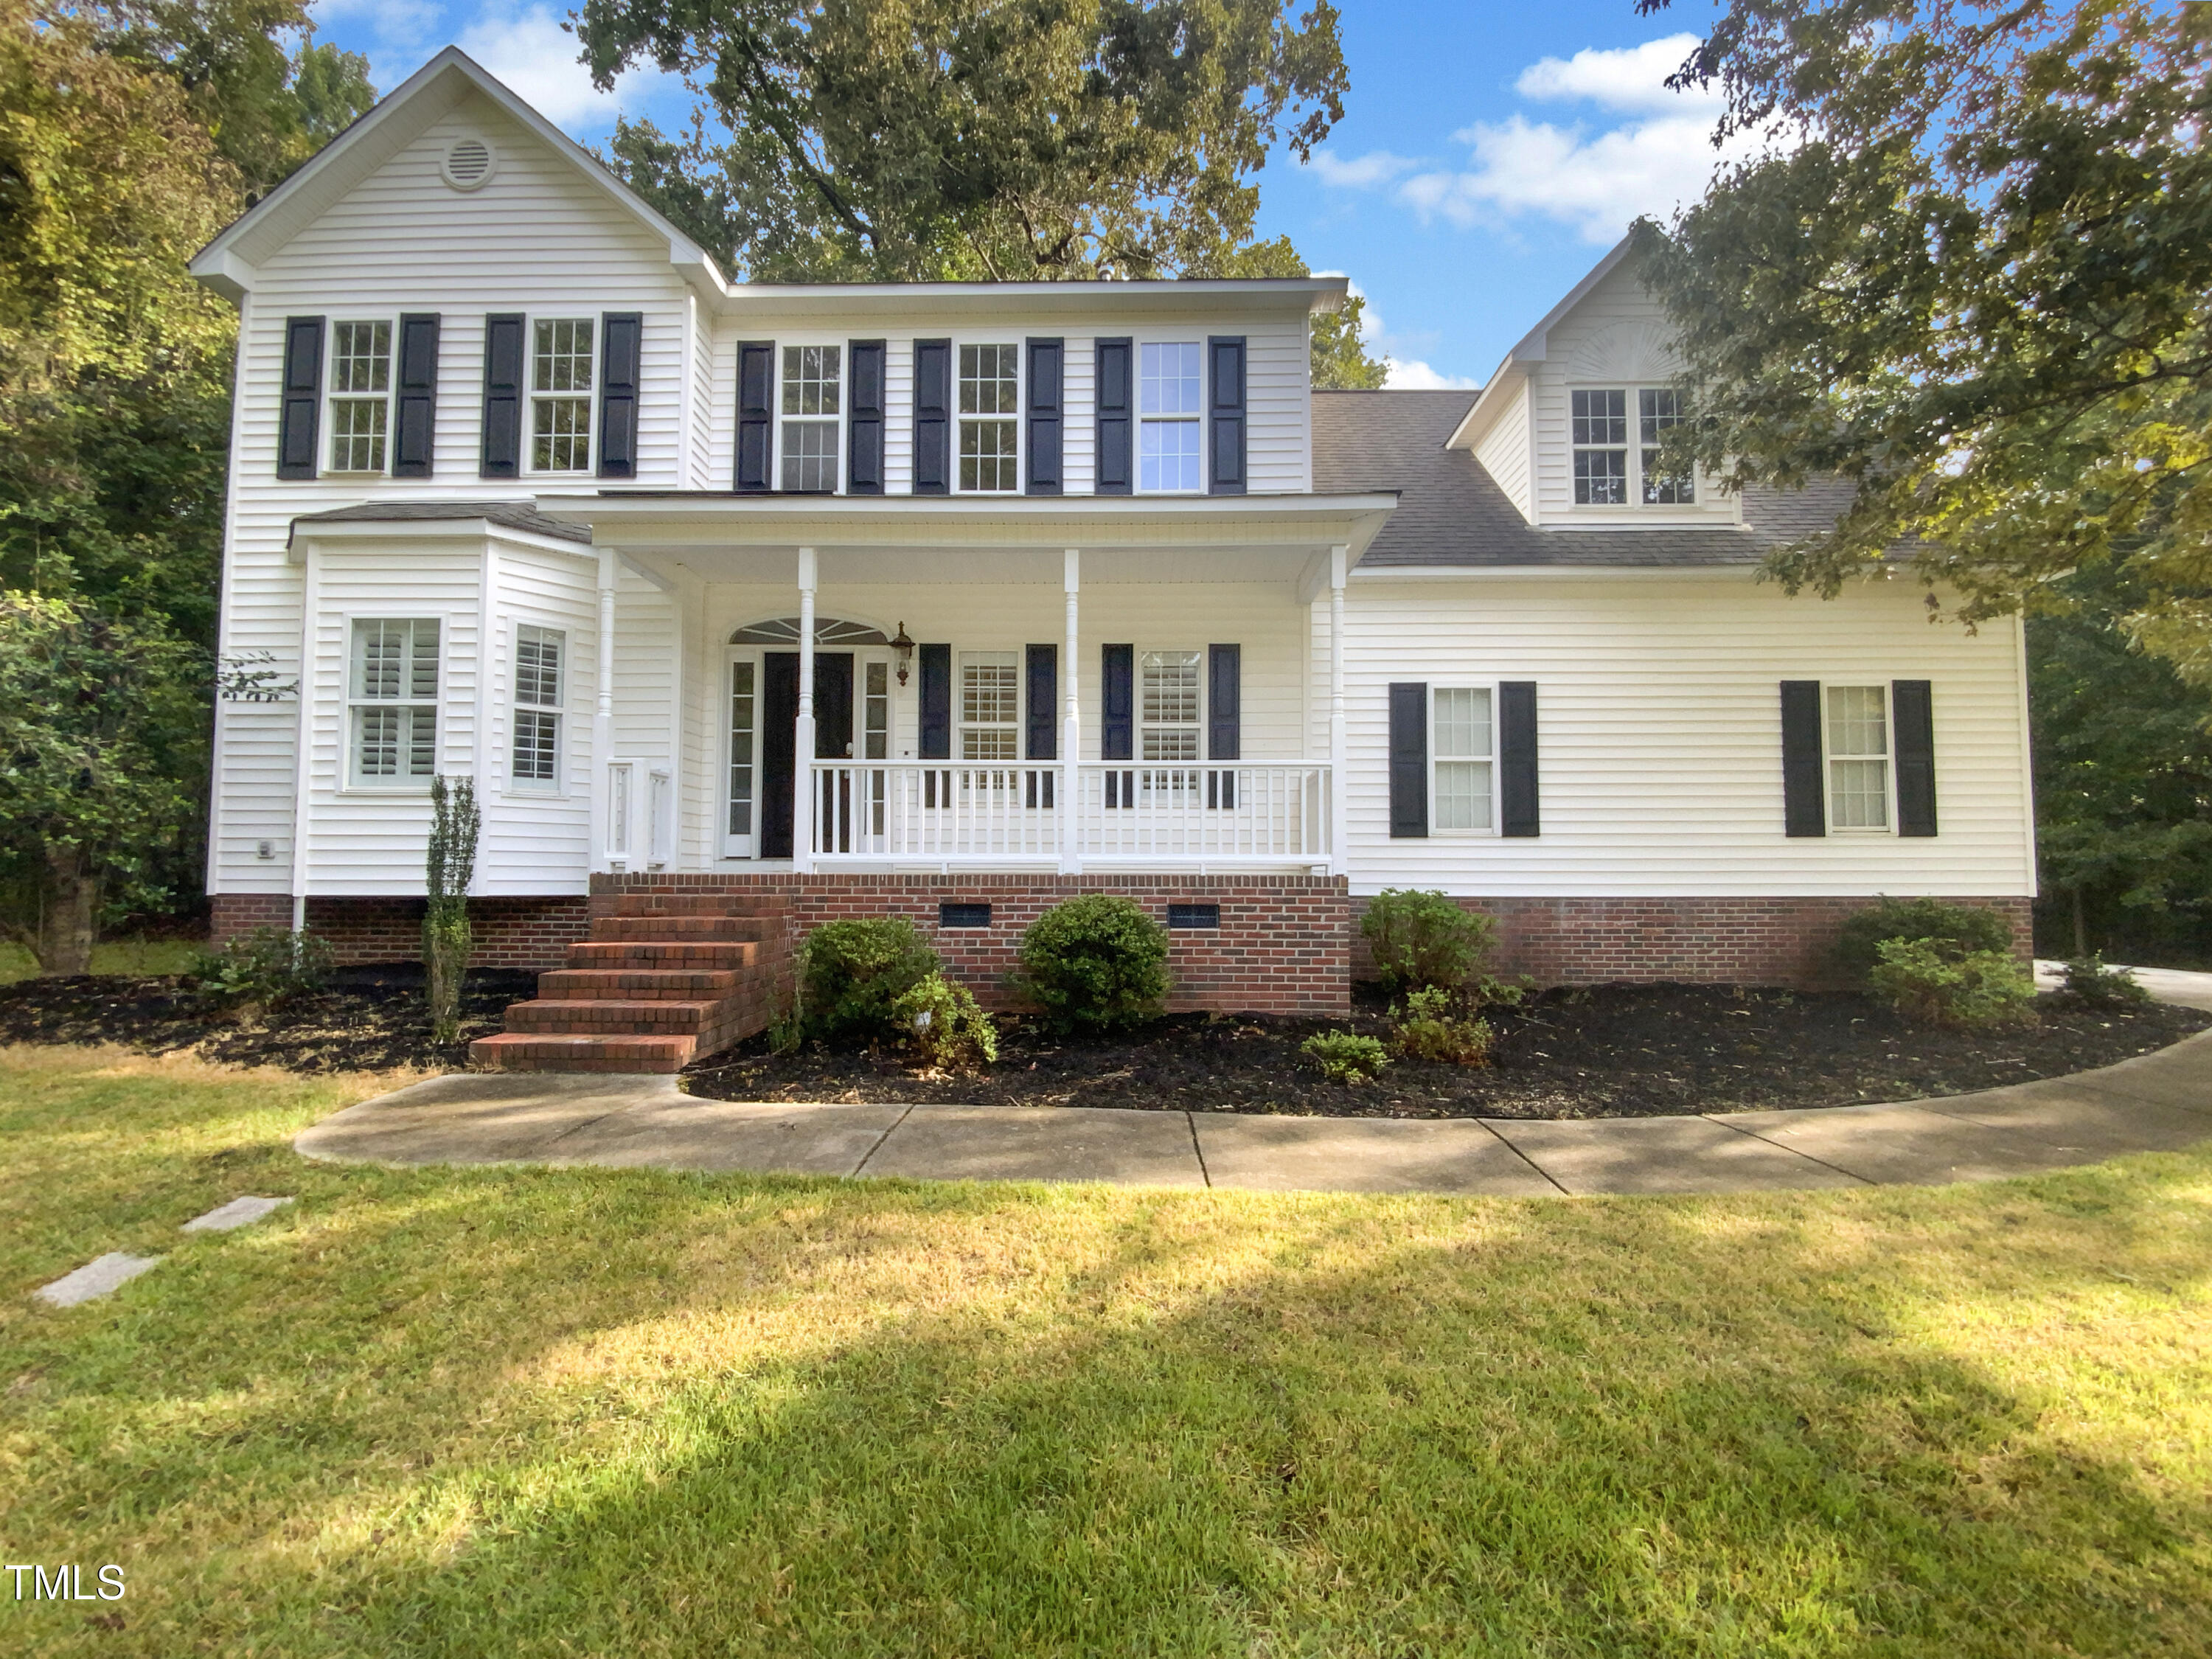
2159 1102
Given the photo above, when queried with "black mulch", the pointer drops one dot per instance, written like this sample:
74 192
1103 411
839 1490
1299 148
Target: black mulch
369 1019
1610 1051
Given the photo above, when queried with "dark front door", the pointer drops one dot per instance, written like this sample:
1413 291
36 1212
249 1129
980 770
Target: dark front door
833 734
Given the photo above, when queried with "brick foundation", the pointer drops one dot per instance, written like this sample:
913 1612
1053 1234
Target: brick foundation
532 934
1712 941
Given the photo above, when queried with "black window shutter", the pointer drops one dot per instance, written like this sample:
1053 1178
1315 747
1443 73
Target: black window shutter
1804 802
1409 760
932 417
503 396
1117 702
417 430
1043 662
864 419
1047 395
1914 713
1516 758
621 335
1224 699
1226 414
936 702
1115 469
303 397
756 413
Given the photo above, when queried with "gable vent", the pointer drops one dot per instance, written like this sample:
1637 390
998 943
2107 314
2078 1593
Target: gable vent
468 164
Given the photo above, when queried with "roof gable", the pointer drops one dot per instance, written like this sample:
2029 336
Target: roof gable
1532 348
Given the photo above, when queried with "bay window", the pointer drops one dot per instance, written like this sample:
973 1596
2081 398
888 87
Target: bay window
539 654
393 698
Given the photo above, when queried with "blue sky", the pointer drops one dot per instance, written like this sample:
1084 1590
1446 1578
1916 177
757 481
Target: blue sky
1491 150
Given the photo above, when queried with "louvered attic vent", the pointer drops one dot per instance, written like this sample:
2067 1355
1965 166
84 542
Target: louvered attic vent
468 164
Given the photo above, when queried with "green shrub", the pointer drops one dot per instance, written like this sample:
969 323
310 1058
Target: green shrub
2102 986
1421 938
851 973
945 1025
1345 1057
1933 981
270 967
1963 927
1094 963
1433 1026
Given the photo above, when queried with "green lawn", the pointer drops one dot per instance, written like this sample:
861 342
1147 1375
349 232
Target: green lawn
502 1412
121 956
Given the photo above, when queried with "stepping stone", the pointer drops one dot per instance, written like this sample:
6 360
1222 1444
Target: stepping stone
238 1213
94 1278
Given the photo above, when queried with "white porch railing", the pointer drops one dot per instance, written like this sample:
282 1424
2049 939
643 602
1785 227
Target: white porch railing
951 812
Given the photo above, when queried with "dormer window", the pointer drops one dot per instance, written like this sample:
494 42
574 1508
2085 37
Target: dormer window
561 395
811 378
1170 401
990 404
360 396
1611 472
1657 408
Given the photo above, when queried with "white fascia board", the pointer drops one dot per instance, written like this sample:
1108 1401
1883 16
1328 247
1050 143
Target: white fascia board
388 530
783 301
1531 347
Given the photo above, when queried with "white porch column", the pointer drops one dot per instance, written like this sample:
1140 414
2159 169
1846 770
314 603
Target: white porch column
1337 559
603 717
802 826
1071 727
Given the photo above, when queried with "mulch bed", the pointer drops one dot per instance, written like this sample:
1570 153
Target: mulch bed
369 1019
1606 1051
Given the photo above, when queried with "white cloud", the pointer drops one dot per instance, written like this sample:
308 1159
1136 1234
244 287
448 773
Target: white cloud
539 61
1399 373
1417 376
1630 78
1377 167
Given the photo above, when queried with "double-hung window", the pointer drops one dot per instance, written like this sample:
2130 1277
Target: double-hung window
1169 404
1461 755
990 405
1858 756
539 654
1658 407
990 704
811 404
393 699
561 395
360 396
1600 422
1168 705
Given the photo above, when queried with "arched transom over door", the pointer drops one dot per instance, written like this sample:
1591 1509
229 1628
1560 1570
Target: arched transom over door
852 721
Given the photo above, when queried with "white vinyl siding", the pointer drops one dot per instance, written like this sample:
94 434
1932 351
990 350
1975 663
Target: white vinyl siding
1504 450
1858 756
393 699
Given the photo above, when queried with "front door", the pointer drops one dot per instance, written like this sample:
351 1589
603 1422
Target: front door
779 712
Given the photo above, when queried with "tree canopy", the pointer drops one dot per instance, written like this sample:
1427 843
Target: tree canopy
1970 268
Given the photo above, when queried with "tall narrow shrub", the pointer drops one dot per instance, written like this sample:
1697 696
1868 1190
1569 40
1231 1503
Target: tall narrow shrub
450 866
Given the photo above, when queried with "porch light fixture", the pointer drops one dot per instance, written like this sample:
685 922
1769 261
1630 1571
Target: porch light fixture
904 646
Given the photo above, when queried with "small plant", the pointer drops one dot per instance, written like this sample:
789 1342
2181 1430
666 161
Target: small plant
851 973
1094 963
1425 939
450 864
1933 981
1345 1057
267 968
948 1029
2092 981
1433 1026
1963 927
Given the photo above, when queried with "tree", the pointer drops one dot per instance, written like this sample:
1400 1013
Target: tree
1339 358
1970 270
449 866
952 139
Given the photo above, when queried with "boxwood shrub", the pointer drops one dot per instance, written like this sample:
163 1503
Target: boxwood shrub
851 973
1094 963
1961 929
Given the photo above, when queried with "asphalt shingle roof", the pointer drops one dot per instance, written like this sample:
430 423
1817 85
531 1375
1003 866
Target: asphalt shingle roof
512 515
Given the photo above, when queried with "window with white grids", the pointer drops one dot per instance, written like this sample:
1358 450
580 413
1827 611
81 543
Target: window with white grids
990 404
540 655
1600 422
360 395
1656 410
561 395
811 407
1168 705
1858 756
990 704
392 692
1169 404
1459 757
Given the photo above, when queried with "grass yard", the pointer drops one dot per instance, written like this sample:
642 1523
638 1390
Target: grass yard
134 957
544 1411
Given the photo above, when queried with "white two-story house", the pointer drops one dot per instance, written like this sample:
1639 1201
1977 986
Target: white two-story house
951 600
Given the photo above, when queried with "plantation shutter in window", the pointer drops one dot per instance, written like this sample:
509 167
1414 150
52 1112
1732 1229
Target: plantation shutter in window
756 413
1043 664
303 397
932 417
415 430
1804 802
1409 760
620 333
1117 702
1047 394
1117 471
936 702
1516 758
1224 675
1225 415
502 456
1913 711
864 420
